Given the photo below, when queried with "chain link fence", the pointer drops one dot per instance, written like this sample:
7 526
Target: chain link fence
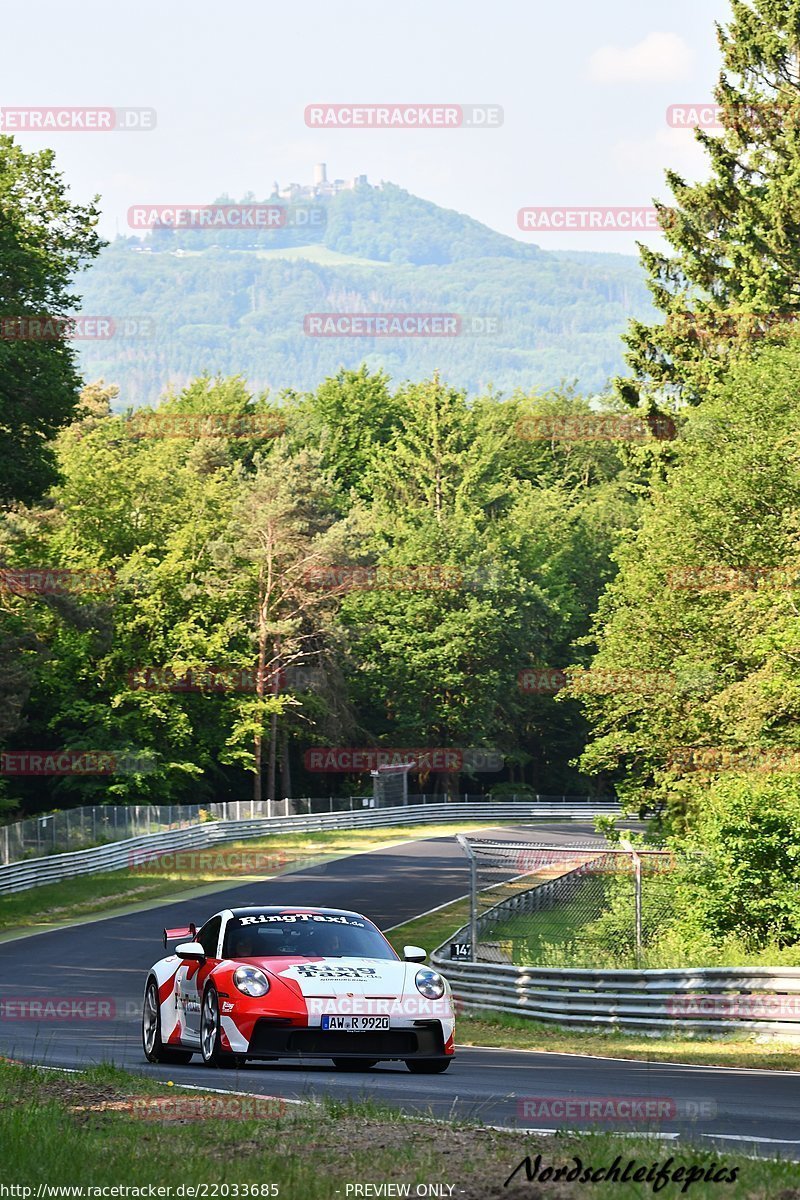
579 905
99 824
91 825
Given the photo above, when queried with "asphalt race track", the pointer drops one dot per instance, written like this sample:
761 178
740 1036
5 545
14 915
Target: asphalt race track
108 959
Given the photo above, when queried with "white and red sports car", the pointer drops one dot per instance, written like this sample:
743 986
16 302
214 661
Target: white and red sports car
268 983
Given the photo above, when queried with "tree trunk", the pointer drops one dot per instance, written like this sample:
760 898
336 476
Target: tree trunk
258 740
273 727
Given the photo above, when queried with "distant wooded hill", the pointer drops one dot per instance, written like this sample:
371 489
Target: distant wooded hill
234 302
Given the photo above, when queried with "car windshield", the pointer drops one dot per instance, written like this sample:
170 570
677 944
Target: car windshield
304 935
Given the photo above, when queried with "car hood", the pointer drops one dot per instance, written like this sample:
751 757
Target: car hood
342 976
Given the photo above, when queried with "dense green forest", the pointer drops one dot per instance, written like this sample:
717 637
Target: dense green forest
603 593
214 553
234 302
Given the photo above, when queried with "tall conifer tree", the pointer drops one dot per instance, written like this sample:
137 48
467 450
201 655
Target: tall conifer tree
732 275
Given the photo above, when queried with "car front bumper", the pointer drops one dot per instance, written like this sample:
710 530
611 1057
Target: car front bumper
422 1039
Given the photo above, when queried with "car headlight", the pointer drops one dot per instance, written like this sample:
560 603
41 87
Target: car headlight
251 981
430 983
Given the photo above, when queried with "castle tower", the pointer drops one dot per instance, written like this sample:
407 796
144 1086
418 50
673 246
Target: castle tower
320 174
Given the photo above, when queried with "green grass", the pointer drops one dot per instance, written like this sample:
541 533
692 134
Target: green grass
432 929
521 1033
92 895
88 1130
594 930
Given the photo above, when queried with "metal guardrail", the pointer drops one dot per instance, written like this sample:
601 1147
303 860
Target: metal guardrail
702 1000
84 828
17 877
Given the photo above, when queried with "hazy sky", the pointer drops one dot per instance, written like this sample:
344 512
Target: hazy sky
584 90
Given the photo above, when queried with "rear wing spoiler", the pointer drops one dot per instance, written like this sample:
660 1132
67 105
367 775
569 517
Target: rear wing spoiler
175 935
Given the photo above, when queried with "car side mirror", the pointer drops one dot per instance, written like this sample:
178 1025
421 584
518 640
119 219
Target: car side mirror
191 952
414 954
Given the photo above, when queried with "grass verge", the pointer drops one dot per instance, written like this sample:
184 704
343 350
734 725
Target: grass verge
519 1033
166 878
104 1128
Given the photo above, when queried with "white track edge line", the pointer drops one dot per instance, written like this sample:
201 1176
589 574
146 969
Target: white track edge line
645 1062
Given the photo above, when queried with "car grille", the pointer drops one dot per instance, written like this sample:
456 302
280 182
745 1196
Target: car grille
425 1039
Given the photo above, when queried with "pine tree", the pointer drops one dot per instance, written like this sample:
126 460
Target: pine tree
733 278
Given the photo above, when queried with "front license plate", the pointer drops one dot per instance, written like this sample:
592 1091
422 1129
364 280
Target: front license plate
354 1024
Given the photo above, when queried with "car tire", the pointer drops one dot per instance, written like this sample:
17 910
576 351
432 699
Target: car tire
210 1048
354 1064
428 1066
154 1049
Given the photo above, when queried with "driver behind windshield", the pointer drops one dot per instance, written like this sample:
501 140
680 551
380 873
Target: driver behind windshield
244 945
